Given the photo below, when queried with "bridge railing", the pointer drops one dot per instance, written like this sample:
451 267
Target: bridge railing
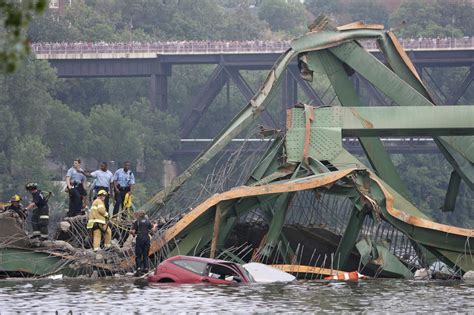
212 47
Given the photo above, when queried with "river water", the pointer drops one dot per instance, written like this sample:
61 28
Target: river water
128 296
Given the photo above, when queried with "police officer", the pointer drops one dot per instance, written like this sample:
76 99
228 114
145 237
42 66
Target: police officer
40 217
123 183
75 181
104 180
142 228
16 208
97 222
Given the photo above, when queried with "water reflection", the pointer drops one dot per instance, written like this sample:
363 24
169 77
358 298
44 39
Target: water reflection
137 296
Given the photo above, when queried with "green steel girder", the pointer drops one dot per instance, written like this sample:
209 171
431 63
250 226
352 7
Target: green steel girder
279 208
399 66
331 123
406 120
349 238
379 75
268 213
326 39
244 118
373 147
404 94
269 162
30 262
452 193
194 241
462 159
453 249
377 257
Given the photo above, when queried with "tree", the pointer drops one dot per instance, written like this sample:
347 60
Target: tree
114 136
457 15
319 7
53 28
27 93
368 11
158 131
67 133
28 163
242 24
283 16
16 15
426 19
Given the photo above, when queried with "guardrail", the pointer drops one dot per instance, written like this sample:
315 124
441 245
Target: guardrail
212 47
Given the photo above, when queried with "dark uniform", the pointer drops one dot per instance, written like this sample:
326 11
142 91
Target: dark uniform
40 217
19 210
142 229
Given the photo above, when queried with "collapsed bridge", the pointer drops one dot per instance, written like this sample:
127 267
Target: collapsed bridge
307 200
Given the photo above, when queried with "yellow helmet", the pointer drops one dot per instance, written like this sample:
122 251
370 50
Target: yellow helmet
16 198
102 192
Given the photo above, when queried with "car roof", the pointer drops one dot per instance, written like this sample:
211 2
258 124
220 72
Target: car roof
200 259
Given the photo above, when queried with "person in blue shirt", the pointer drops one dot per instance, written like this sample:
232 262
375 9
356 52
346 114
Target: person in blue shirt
123 183
75 182
103 180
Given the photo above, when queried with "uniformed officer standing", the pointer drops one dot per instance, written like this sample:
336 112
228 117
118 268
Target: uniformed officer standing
75 182
123 183
40 217
104 180
142 228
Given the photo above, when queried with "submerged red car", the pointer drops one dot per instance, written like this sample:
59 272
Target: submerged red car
189 269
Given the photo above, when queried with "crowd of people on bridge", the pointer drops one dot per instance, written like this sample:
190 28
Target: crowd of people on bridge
203 46
163 47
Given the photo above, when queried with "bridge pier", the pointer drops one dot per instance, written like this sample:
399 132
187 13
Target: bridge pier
170 171
159 87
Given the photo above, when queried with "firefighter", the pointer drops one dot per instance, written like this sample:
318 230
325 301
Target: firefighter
97 222
40 217
16 208
142 228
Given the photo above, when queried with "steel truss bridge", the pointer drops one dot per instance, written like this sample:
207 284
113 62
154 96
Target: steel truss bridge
156 61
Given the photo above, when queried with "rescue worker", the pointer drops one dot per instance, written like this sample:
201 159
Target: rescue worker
104 180
75 182
123 183
16 208
142 228
40 217
97 222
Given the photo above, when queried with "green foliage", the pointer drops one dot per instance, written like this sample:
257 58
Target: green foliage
319 7
427 178
82 94
115 137
283 15
28 162
67 133
158 134
368 11
434 18
15 17
27 93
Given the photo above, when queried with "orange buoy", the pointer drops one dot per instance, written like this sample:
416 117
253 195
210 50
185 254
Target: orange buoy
346 276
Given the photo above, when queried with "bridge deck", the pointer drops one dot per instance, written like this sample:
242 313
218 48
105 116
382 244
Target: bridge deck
151 50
